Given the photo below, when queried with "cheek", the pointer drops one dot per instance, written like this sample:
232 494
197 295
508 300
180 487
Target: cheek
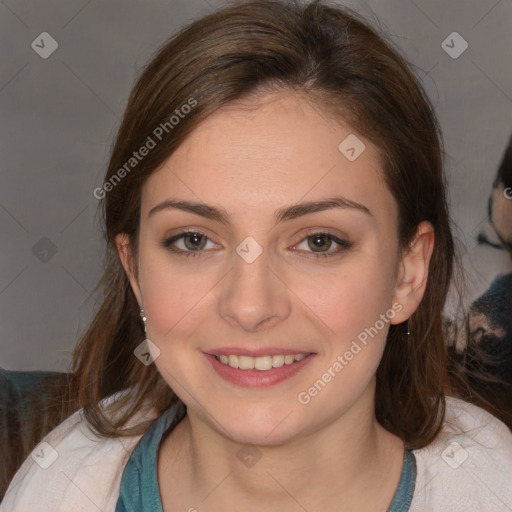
346 301
174 295
353 309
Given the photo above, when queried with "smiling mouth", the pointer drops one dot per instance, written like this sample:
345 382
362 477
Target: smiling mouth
261 363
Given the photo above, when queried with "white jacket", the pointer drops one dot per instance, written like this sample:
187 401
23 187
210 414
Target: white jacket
468 468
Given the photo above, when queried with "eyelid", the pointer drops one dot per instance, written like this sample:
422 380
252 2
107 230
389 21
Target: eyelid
169 241
309 232
342 242
187 230
305 233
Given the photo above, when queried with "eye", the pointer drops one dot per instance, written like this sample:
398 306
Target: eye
320 243
194 243
187 243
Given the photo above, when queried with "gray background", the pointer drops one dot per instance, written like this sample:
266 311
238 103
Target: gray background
59 116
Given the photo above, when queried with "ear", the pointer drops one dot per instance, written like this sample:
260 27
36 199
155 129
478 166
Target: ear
413 272
128 262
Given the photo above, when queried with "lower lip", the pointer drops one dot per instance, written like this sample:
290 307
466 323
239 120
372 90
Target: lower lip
257 378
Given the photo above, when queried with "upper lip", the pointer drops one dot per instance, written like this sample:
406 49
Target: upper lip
270 351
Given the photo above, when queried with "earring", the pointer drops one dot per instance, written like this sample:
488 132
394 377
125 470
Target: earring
147 351
144 318
408 332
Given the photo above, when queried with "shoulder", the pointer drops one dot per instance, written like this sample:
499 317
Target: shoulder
468 466
73 469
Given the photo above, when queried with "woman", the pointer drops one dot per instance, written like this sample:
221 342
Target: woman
277 230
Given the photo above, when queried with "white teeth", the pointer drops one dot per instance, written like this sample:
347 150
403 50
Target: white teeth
259 363
245 363
263 363
277 361
289 359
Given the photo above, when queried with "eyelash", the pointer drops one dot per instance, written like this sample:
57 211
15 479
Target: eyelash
344 244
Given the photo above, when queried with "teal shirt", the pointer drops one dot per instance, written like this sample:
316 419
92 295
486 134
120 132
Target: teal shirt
139 484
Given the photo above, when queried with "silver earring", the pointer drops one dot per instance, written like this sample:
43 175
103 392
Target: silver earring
147 351
144 318
408 332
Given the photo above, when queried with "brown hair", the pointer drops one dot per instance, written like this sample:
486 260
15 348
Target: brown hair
334 58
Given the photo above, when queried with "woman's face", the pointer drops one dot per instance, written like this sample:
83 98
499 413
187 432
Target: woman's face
270 274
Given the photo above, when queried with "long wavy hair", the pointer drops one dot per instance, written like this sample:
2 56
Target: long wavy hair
350 71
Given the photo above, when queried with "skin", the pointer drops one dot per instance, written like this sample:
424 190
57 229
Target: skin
252 158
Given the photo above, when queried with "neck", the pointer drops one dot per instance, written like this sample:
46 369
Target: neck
345 458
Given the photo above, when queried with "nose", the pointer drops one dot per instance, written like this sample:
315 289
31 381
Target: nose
252 296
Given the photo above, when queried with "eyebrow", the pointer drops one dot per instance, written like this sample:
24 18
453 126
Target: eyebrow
283 214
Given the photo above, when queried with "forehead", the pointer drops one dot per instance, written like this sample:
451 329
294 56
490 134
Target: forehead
270 151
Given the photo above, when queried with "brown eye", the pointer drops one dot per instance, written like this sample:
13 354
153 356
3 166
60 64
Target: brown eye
194 241
320 241
319 245
188 243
